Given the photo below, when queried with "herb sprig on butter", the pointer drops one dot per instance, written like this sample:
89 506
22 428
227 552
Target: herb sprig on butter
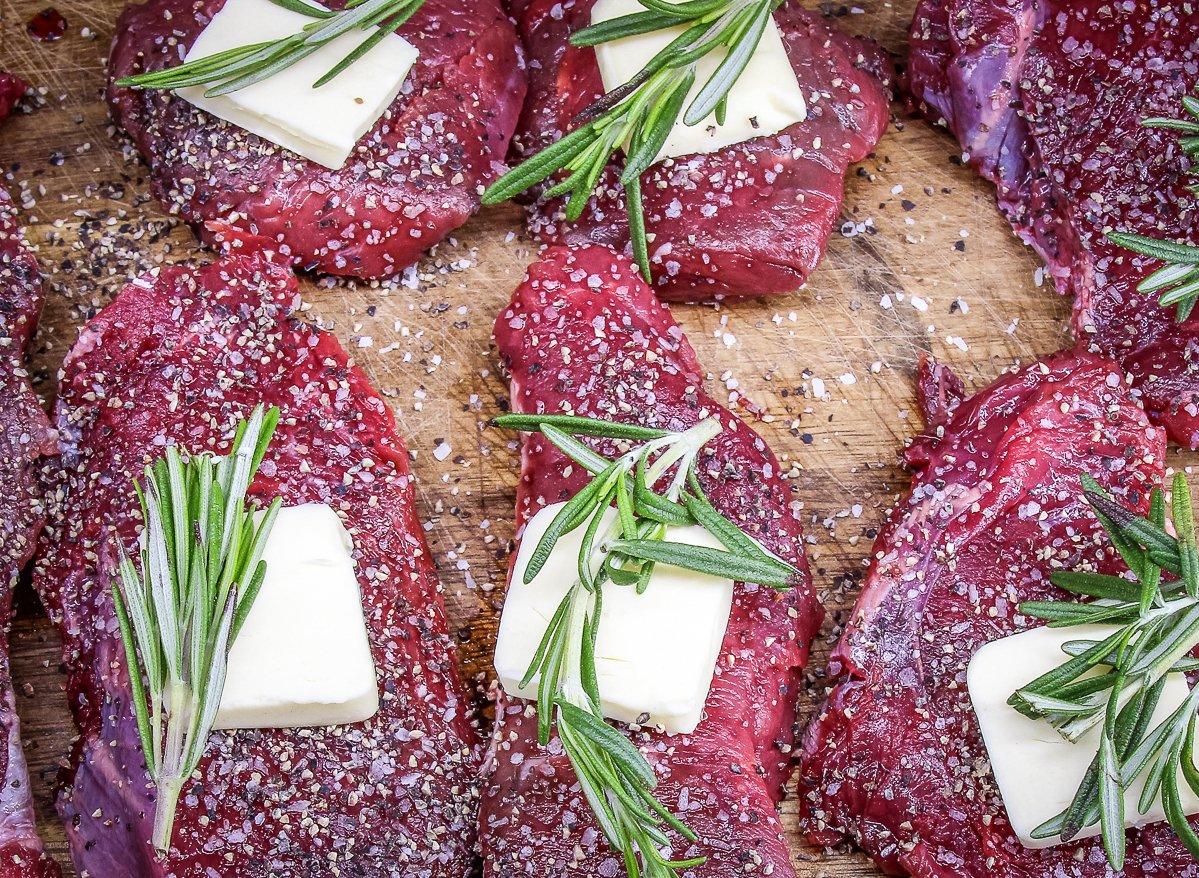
1118 681
201 568
639 115
622 551
237 68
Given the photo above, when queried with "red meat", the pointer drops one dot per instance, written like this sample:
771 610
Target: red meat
179 356
1047 100
585 334
12 89
746 220
25 437
415 177
894 760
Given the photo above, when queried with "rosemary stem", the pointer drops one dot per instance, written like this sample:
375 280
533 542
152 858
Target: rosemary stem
169 789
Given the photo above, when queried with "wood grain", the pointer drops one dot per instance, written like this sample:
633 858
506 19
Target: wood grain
923 263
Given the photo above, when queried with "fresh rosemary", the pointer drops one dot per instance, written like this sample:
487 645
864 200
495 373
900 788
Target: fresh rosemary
622 551
201 568
639 115
239 67
1178 279
1118 681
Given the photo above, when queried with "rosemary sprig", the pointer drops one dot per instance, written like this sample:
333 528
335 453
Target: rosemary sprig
201 568
1118 681
239 67
639 115
622 550
1178 279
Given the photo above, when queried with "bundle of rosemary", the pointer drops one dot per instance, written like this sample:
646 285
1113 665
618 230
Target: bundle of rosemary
615 777
201 566
1118 681
237 68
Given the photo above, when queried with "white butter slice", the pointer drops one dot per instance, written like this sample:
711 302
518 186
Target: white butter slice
302 657
322 124
655 652
764 100
1039 771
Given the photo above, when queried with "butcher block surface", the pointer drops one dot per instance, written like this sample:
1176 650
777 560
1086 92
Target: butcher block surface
921 262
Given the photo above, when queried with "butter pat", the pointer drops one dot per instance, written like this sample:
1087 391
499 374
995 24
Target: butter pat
302 657
655 652
1039 771
322 124
764 100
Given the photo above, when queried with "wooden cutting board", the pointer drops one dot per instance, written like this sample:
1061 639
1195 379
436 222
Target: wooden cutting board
923 262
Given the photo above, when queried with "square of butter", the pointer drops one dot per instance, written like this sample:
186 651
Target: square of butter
322 124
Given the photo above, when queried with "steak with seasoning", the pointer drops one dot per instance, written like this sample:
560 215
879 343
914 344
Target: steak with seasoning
25 437
585 335
894 760
415 177
1046 98
744 221
180 356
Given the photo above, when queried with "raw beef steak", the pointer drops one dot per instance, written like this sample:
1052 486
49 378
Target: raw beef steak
179 356
25 437
894 760
747 220
1046 98
415 177
584 334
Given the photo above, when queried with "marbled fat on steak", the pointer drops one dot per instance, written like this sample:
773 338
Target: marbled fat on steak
179 356
25 437
1046 98
894 760
746 220
415 177
584 334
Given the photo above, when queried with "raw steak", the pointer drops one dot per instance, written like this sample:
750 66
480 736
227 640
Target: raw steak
747 220
1046 99
179 356
12 88
894 761
25 437
413 179
584 334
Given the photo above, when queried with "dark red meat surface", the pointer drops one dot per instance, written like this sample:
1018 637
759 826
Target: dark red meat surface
25 437
12 89
894 760
1046 98
747 220
179 356
415 177
584 334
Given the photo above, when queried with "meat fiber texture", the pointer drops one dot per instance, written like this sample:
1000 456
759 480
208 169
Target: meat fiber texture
895 761
178 357
747 220
584 334
414 178
25 437
1046 99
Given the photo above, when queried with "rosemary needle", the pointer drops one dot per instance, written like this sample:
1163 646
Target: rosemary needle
639 115
201 568
622 551
236 68
1117 682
